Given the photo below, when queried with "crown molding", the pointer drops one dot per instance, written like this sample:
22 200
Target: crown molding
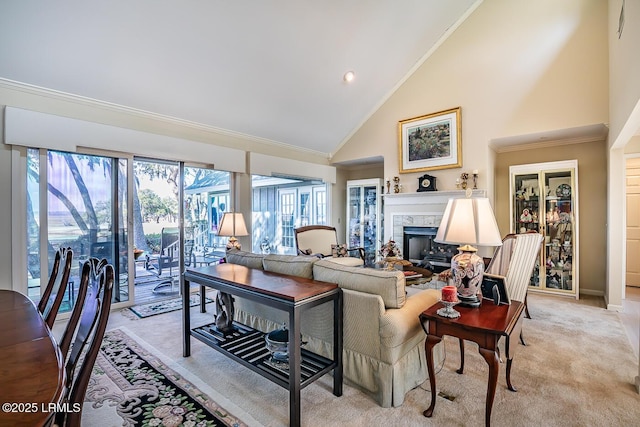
549 143
148 115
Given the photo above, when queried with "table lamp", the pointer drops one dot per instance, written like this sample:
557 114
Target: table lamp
232 225
467 222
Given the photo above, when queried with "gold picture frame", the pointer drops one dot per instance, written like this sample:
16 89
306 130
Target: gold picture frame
430 142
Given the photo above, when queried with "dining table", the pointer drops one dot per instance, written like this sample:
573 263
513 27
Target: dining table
32 374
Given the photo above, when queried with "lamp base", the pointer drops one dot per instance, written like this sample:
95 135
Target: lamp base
469 301
233 244
466 273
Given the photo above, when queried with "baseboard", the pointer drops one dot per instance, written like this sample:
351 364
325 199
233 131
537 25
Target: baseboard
592 292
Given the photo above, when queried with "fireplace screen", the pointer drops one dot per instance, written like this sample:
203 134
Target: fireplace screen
420 249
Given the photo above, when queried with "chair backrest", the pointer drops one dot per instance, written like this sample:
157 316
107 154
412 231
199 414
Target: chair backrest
54 292
316 238
189 257
93 314
102 250
168 240
499 264
515 260
88 268
169 248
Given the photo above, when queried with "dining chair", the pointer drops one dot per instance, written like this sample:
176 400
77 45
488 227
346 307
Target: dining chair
53 294
91 318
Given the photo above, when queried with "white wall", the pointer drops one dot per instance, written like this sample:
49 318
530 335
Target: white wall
624 112
515 67
5 212
624 69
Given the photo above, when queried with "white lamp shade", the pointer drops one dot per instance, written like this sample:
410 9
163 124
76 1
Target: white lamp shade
232 224
469 221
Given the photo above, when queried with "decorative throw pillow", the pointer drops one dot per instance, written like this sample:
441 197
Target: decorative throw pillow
339 250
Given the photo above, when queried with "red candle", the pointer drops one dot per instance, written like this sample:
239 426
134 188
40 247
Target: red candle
450 294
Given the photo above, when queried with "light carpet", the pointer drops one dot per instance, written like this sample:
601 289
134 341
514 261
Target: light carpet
577 370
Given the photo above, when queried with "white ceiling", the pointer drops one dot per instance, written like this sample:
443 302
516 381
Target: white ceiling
268 69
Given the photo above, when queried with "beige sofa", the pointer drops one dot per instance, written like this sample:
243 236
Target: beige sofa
383 340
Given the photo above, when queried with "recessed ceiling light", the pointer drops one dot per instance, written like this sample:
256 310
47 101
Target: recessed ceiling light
349 76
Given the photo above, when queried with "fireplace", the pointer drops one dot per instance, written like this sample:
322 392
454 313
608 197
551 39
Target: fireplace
418 247
412 219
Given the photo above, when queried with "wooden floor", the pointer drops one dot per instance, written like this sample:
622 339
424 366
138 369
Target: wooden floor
145 282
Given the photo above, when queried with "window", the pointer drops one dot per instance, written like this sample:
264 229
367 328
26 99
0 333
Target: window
84 209
279 206
287 218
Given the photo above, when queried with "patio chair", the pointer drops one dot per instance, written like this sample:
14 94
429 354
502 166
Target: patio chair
322 241
169 258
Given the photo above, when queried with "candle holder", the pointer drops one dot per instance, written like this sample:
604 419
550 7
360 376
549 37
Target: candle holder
475 180
388 185
448 310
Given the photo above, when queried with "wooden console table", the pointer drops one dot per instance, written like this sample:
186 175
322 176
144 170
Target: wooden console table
247 346
484 326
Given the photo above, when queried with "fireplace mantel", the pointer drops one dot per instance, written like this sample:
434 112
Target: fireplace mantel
422 209
428 197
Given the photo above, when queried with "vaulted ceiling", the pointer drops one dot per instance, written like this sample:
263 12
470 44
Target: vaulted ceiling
272 70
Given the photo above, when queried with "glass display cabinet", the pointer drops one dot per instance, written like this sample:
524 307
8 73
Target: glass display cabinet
544 198
364 216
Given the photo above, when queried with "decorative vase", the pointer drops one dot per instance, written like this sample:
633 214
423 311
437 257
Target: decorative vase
390 262
466 272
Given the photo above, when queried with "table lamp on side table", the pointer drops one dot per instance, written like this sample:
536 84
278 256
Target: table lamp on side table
467 222
232 225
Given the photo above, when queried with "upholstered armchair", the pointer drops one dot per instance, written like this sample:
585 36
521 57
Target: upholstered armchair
322 241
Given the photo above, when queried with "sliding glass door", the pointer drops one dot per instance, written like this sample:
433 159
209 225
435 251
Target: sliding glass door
76 201
126 211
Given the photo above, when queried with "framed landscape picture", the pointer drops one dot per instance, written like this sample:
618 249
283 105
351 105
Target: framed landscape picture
430 142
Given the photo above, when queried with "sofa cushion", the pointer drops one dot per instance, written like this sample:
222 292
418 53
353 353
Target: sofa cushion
350 261
389 285
300 266
248 259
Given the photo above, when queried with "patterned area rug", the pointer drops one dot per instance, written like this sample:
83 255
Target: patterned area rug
165 306
145 392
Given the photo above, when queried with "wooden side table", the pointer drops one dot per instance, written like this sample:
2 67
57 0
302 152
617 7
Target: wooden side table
484 326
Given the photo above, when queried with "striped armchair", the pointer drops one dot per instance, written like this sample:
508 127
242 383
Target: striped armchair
515 261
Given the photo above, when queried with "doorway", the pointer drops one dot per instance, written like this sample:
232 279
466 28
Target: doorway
155 229
633 222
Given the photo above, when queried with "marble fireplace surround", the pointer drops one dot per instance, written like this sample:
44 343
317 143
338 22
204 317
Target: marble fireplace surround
422 209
